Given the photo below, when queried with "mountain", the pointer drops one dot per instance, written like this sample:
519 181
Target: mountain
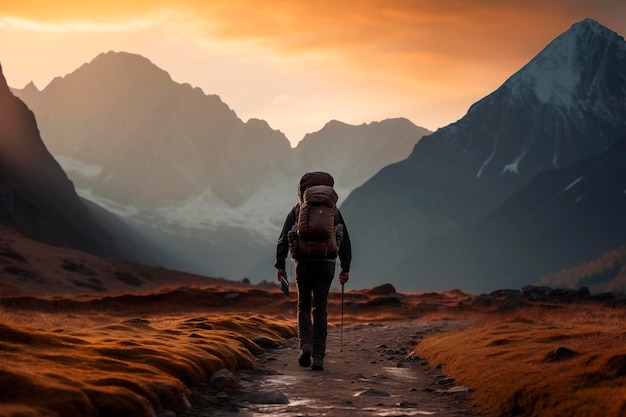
565 105
128 133
37 196
354 154
181 168
562 218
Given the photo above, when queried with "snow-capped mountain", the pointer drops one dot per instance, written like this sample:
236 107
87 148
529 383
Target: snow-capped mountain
181 166
565 105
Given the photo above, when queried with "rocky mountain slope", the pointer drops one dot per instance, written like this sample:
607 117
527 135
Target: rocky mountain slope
36 194
565 105
562 218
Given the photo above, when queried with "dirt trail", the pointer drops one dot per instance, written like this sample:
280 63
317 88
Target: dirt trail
374 375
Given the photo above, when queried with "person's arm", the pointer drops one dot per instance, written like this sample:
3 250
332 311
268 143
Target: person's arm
345 252
282 246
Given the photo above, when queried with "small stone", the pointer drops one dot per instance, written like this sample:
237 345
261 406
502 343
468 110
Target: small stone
137 320
268 397
266 343
372 393
459 388
560 354
223 379
231 296
446 380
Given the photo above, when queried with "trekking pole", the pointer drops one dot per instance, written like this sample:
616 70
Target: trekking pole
341 343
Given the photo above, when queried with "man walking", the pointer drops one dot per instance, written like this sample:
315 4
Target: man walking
315 233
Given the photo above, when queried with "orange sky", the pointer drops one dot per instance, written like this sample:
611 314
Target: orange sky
299 64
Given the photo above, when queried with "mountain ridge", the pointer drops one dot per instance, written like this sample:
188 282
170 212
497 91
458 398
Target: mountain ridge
189 174
462 172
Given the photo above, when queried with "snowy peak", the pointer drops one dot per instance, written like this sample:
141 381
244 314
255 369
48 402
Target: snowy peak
565 105
568 65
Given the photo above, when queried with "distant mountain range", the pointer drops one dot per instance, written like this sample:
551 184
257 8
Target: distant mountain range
566 105
530 181
183 169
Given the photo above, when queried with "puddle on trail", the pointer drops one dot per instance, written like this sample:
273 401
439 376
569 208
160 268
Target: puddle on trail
305 407
404 374
302 405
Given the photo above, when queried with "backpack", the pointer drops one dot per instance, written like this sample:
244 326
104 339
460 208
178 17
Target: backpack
314 233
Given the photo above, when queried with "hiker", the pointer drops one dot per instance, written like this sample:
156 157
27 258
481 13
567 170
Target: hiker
314 234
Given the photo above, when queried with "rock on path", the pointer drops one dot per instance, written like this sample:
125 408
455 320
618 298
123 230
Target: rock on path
374 375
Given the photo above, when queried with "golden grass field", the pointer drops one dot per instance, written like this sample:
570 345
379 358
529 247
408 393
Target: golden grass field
138 345
509 359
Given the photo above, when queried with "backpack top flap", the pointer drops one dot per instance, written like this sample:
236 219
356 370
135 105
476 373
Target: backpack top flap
314 178
321 195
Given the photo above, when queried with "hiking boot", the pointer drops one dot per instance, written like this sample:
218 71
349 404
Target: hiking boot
305 356
318 364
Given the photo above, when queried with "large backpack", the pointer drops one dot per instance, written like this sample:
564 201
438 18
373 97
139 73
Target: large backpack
313 234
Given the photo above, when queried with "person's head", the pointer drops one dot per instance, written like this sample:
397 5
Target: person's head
314 178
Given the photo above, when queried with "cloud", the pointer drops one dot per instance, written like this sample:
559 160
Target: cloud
79 26
436 57
406 32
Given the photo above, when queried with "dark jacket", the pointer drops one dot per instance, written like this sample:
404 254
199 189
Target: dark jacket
282 248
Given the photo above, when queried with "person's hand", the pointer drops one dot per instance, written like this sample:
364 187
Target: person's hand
280 273
344 277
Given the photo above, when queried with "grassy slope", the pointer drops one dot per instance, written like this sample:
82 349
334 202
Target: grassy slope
69 343
508 360
81 367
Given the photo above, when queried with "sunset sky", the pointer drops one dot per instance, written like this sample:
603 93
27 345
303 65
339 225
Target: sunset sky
300 64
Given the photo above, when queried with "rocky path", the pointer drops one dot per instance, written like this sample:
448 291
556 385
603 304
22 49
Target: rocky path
374 375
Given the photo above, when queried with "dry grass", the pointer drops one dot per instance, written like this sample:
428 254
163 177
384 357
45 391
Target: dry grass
88 356
91 366
69 345
131 354
508 359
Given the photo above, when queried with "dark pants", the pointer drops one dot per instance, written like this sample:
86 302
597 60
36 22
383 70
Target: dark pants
313 279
